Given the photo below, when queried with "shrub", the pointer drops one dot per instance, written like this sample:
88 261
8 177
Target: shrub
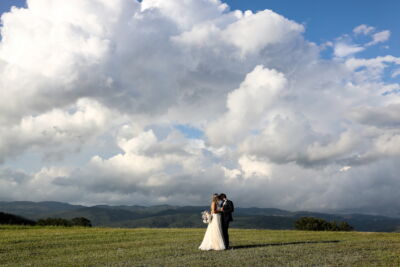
317 224
7 218
54 222
78 221
81 221
344 226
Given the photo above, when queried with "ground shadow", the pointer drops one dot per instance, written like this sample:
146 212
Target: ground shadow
284 244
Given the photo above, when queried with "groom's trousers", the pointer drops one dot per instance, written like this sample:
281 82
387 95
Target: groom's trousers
225 226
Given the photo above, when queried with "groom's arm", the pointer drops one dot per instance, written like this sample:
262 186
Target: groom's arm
228 207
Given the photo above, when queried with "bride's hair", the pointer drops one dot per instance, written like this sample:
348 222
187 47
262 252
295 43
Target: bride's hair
215 198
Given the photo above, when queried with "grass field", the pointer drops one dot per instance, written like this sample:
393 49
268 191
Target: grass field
55 246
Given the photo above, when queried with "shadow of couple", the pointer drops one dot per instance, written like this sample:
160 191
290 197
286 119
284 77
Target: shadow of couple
284 244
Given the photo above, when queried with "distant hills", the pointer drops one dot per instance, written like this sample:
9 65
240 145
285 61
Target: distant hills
187 216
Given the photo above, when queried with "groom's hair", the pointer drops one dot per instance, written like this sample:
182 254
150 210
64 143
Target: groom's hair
222 196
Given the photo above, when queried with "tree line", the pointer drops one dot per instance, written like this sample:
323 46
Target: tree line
317 224
303 223
7 218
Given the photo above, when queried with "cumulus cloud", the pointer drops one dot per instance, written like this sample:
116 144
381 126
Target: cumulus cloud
386 116
246 105
372 69
109 84
57 131
363 29
395 73
379 37
345 47
342 49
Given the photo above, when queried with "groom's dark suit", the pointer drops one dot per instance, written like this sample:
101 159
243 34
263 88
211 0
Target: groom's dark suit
226 218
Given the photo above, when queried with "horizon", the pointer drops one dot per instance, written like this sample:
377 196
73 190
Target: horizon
331 212
283 104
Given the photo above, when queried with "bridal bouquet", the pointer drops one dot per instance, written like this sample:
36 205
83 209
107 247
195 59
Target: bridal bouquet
206 216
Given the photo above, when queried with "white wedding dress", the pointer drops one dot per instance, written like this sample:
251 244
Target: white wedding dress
213 239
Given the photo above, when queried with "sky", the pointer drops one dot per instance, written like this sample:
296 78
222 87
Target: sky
285 104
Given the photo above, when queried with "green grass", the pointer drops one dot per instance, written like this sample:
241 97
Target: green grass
56 246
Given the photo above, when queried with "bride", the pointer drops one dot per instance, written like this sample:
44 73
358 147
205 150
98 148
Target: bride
213 239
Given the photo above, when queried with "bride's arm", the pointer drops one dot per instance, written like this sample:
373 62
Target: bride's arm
214 208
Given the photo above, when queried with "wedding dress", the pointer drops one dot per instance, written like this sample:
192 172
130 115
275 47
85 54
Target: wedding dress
213 239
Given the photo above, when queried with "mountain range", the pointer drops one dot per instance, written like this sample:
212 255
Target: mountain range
188 216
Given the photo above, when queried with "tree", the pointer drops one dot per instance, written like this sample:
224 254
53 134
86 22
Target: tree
344 226
81 221
7 218
54 222
317 224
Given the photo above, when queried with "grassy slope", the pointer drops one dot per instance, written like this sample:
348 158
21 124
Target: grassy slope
52 246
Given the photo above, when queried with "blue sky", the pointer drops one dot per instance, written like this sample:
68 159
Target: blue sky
5 5
326 20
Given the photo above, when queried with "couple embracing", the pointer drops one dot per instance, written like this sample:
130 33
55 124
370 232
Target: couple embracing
216 236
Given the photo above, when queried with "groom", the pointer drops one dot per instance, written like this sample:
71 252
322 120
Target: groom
227 209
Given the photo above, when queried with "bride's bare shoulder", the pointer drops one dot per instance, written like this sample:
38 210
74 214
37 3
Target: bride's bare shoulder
214 208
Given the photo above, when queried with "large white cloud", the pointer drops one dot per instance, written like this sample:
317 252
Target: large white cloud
276 124
246 106
57 131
